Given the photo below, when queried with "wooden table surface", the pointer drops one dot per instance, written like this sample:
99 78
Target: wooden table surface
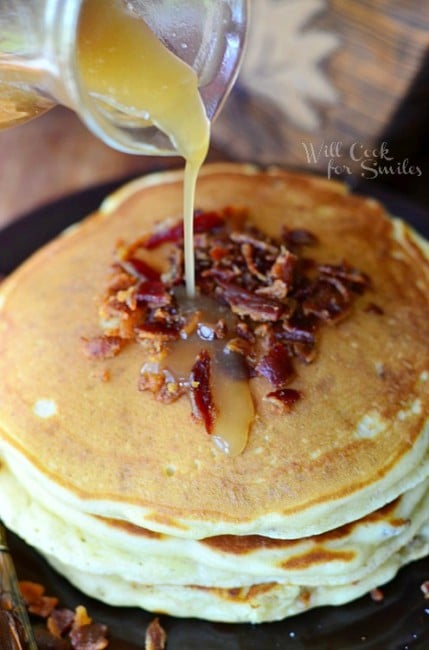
55 155
331 75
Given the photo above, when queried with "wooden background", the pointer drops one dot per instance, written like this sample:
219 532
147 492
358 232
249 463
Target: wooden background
316 72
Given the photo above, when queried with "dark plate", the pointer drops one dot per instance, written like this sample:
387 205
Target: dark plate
399 622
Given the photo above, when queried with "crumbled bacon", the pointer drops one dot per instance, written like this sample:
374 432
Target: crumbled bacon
152 292
277 300
156 637
201 395
277 365
244 302
90 636
60 621
377 595
103 347
140 269
284 397
35 599
203 222
65 629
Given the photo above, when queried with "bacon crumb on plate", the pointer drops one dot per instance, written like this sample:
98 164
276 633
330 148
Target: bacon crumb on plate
156 637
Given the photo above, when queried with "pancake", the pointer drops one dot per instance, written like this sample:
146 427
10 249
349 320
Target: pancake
246 578
315 490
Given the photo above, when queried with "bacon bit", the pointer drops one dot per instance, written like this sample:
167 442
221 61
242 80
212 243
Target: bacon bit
153 292
284 267
35 600
203 222
425 589
92 636
355 280
284 397
64 628
245 303
248 255
297 334
140 269
103 347
239 345
81 617
243 331
201 396
158 330
156 636
372 308
326 301
217 253
60 622
276 365
276 291
376 595
254 238
304 352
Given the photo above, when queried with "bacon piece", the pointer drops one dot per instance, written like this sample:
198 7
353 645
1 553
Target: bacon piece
35 600
60 621
201 395
203 222
277 290
377 595
326 302
103 347
160 330
139 268
297 334
153 292
246 303
284 397
284 267
247 251
354 279
91 636
218 252
256 239
276 365
156 636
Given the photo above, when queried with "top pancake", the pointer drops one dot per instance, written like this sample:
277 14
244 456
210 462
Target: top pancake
357 438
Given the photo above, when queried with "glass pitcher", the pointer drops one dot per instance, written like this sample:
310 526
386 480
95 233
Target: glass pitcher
39 66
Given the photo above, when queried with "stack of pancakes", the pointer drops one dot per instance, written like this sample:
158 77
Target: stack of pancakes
131 500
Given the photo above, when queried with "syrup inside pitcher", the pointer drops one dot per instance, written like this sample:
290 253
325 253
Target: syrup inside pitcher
126 67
